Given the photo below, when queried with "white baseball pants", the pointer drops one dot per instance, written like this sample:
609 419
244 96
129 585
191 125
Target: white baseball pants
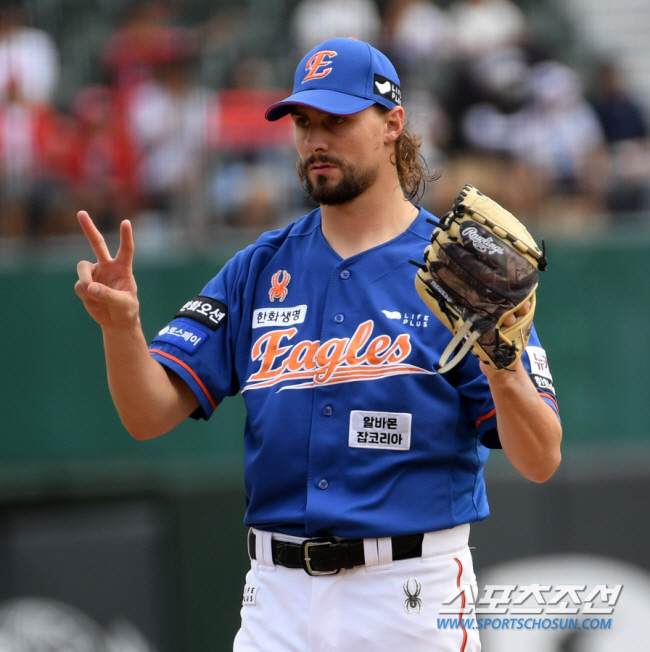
384 605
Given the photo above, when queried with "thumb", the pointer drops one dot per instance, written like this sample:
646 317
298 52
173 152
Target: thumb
108 296
94 289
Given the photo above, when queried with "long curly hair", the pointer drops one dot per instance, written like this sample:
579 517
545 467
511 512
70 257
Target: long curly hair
412 169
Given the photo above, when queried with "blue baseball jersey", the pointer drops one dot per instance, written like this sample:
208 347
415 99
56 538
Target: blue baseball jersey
349 431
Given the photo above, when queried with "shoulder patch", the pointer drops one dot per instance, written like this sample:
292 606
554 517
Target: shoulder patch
205 310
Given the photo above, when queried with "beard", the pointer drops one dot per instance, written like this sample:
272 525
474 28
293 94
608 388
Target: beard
353 183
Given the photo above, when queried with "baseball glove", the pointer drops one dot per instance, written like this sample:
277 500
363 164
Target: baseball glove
480 267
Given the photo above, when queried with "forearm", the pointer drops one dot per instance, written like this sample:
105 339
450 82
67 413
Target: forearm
529 429
149 400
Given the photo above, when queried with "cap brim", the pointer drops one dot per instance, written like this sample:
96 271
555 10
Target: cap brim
321 100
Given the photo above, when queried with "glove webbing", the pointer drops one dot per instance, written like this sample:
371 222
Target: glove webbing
463 333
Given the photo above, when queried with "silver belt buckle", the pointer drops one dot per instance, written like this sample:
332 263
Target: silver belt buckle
306 559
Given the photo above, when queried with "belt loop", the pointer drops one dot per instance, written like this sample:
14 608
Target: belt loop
385 550
370 553
378 554
249 543
264 551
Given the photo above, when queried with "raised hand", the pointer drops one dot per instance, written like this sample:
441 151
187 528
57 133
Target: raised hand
107 287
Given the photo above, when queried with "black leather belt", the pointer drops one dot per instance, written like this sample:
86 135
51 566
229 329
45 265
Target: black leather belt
327 555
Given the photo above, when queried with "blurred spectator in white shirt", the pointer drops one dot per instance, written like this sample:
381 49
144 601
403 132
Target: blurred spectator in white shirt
556 131
29 58
33 140
419 33
561 131
315 21
486 25
537 120
170 119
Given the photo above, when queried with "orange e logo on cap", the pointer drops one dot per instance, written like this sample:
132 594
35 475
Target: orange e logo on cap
319 65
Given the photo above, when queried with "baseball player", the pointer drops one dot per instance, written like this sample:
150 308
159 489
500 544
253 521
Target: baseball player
363 465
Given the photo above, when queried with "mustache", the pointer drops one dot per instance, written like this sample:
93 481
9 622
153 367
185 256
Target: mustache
320 158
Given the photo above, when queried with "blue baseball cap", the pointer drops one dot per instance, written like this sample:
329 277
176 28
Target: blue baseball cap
341 76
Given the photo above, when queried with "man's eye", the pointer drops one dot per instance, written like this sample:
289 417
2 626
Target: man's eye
337 119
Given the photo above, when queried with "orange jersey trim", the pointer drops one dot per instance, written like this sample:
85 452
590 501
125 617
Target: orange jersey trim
485 417
492 412
462 604
551 398
189 371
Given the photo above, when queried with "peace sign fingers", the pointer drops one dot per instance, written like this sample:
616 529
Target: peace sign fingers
94 237
124 254
107 287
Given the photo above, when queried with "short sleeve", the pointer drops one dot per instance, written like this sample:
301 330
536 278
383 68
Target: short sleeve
198 343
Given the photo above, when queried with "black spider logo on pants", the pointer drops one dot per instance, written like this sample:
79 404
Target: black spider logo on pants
412 597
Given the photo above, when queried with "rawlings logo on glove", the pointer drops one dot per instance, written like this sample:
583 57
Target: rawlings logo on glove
481 243
480 268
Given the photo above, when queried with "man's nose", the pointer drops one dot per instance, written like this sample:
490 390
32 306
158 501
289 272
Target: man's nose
315 139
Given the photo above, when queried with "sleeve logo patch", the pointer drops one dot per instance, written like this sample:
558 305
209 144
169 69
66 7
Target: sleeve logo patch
206 311
543 384
384 430
540 373
187 337
538 362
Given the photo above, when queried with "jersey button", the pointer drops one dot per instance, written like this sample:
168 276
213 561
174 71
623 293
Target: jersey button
323 484
328 410
345 274
339 318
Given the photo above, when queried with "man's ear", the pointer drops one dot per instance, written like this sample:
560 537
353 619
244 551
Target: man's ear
394 121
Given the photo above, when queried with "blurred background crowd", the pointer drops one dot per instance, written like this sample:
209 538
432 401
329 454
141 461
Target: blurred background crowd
153 110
